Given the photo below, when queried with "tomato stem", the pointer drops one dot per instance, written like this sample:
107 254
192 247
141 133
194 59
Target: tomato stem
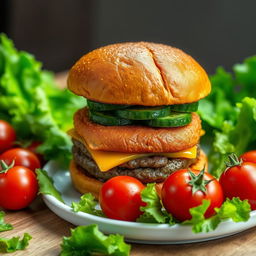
197 182
5 167
233 160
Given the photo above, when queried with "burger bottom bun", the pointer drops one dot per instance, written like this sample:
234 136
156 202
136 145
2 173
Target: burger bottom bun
85 184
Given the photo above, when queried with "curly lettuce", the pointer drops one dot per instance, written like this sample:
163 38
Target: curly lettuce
229 113
31 101
14 244
88 240
235 209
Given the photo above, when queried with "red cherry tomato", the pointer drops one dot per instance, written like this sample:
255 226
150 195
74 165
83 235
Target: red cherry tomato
178 198
18 188
22 157
7 136
120 198
240 181
249 156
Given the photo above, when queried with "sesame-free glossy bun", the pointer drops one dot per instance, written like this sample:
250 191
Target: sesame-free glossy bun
136 138
139 73
82 182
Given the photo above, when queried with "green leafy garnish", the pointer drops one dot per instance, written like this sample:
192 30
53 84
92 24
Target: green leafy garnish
34 105
87 204
153 212
229 115
88 240
13 244
234 209
46 185
235 138
4 226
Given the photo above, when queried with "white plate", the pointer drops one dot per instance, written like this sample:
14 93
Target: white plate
135 232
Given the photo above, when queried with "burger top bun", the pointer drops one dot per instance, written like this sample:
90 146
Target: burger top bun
139 73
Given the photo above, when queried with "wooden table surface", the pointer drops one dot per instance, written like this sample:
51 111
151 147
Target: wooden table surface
47 231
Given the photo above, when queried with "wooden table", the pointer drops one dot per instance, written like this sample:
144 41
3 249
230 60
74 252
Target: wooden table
47 231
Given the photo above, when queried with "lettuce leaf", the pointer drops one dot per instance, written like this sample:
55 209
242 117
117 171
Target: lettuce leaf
218 107
198 221
228 113
46 185
87 204
8 245
227 90
88 240
234 138
153 212
31 101
4 226
234 209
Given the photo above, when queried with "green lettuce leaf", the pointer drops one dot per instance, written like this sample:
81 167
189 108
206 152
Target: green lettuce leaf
234 138
87 204
4 226
245 78
14 244
153 212
234 209
228 113
88 240
31 101
227 90
46 185
198 221
219 105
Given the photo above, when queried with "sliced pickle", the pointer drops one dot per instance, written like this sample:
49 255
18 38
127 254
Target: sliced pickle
190 107
107 119
173 120
143 113
97 106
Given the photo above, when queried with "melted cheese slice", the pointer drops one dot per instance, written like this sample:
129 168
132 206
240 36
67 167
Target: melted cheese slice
107 160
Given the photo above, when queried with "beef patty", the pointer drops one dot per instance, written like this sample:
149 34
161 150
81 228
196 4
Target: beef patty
146 169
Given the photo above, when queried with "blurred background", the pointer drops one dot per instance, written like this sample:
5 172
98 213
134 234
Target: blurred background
59 32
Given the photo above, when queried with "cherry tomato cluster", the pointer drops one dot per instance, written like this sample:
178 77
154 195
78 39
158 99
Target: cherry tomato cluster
120 197
18 183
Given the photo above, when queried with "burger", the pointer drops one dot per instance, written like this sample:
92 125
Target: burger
140 118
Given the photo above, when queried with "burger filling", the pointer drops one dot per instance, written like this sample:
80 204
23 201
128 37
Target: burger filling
146 169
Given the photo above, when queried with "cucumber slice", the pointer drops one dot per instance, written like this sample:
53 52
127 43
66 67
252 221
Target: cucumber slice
173 120
190 107
107 119
97 106
143 113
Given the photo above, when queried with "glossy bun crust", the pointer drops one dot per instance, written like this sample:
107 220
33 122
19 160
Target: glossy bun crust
139 73
135 138
85 184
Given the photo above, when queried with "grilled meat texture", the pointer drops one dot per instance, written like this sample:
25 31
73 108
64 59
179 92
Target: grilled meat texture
146 169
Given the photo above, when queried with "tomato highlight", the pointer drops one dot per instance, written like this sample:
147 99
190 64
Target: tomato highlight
185 189
120 198
239 180
18 187
7 136
21 157
249 156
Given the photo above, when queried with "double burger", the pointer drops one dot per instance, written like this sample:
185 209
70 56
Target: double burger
140 118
